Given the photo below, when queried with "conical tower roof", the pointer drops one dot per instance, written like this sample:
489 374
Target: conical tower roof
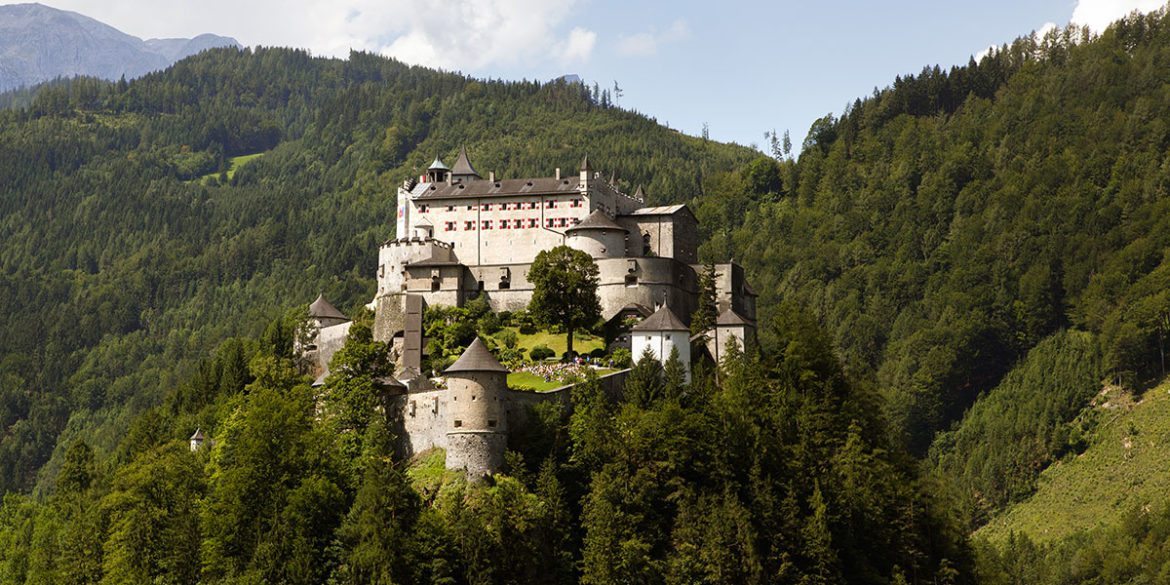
463 165
438 165
663 319
597 221
322 309
476 358
639 194
198 436
585 164
730 318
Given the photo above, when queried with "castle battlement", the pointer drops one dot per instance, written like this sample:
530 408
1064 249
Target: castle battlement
416 241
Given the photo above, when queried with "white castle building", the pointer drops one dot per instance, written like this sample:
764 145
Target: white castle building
461 236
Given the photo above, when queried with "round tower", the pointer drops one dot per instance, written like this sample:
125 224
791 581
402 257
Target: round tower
599 236
477 425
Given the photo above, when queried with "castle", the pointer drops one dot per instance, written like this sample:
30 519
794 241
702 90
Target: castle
461 236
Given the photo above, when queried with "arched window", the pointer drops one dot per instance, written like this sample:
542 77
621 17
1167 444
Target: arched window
646 244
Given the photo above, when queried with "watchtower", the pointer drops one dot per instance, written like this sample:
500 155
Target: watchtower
477 426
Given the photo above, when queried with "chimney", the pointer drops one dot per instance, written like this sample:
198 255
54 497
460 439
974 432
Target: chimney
492 176
558 173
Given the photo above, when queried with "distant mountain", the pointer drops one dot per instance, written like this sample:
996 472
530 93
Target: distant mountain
39 43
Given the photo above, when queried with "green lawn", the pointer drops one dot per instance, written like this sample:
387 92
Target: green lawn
538 384
583 343
1126 467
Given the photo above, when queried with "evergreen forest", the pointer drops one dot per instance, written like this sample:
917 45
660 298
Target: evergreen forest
952 272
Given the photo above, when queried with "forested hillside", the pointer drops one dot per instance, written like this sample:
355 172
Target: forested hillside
944 226
128 255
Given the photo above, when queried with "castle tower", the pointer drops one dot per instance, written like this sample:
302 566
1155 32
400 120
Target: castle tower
463 171
477 431
437 172
599 236
729 326
324 314
660 333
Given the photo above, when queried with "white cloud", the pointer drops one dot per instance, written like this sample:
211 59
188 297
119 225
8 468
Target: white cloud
644 44
1098 14
579 46
454 34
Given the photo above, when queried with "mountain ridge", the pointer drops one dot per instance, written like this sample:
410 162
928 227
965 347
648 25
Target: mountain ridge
39 43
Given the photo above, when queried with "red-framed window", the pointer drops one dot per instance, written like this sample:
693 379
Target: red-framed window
517 224
549 222
552 204
531 205
487 224
575 203
486 206
424 208
469 226
450 226
532 222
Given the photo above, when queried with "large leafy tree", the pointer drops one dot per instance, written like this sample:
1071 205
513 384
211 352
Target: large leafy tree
565 283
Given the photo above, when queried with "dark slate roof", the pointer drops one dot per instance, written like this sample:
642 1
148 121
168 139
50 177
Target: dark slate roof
462 165
322 309
597 220
438 165
198 436
663 319
730 318
502 188
476 358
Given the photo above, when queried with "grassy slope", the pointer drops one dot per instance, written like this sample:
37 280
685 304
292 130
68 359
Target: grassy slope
1127 467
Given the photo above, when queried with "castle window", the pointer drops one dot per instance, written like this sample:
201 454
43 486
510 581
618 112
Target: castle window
412 407
479 286
450 226
487 224
576 203
468 226
450 208
517 224
552 204
503 224
487 206
424 208
562 222
470 207
491 423
631 280
435 283
549 222
458 423
533 223
505 284
531 205
646 244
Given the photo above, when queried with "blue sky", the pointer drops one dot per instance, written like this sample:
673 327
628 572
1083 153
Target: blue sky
741 67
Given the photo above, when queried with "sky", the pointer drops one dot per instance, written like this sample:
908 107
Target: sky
740 68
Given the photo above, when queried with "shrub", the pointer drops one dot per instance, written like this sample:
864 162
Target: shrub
597 353
508 338
541 352
622 357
